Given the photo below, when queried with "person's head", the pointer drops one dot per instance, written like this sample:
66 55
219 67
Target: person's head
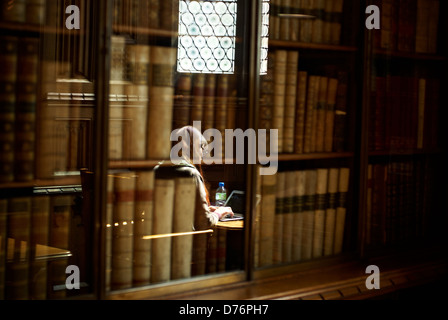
191 147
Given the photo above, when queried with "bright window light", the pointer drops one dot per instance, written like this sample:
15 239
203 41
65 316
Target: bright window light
264 37
207 32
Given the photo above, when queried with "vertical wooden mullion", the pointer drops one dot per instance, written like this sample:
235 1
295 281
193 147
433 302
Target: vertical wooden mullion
103 31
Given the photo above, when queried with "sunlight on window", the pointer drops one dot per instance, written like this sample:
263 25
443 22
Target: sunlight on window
264 37
206 36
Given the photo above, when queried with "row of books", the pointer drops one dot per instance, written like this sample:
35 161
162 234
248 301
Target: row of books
399 197
403 113
18 96
301 215
25 11
148 99
154 232
36 236
308 110
325 27
152 14
408 25
47 118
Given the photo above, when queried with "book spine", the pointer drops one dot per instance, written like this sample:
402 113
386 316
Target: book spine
8 79
26 96
336 26
387 21
123 231
294 24
406 25
311 97
341 209
300 112
288 217
134 126
321 112
340 118
330 214
154 14
274 19
143 216
169 15
257 224
306 25
161 91
290 101
267 100
220 112
197 105
181 108
318 22
319 214
284 22
18 250
35 11
232 109
116 120
433 26
330 114
328 15
267 219
162 225
380 120
208 114
118 81
183 219
135 112
422 26
298 209
279 94
278 221
308 214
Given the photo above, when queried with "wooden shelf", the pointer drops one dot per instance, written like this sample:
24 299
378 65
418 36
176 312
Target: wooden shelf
315 156
404 152
311 46
63 181
136 164
20 26
141 164
119 29
408 55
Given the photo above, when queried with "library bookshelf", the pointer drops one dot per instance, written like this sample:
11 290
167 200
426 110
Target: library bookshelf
87 121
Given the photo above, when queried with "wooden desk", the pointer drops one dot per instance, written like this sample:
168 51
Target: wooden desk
231 225
42 252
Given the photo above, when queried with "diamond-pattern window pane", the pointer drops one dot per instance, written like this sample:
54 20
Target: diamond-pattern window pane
206 36
264 37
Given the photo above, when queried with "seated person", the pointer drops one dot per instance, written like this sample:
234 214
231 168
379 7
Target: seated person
192 149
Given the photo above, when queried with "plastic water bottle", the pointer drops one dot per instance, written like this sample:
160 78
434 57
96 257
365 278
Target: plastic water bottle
221 195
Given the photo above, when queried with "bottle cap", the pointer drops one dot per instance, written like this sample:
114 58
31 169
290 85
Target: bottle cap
221 184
